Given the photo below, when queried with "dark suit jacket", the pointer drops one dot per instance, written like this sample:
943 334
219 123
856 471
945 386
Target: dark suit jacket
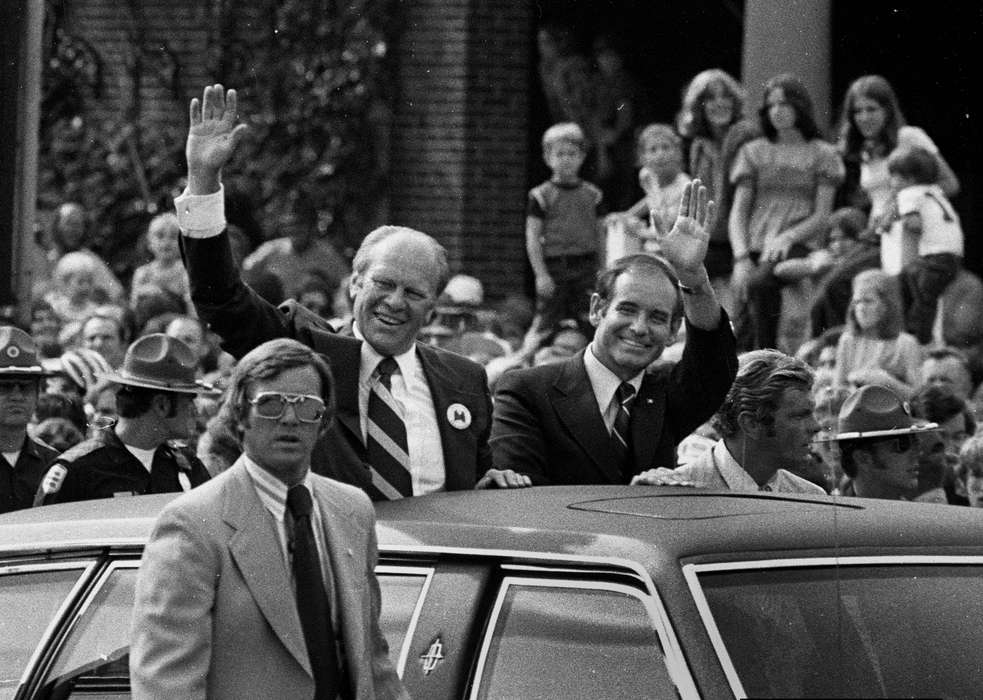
244 320
547 423
214 613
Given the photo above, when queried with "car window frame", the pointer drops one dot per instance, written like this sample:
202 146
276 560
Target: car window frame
508 559
428 572
546 577
692 571
110 566
86 567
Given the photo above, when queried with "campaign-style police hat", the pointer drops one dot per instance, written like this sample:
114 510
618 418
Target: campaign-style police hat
874 411
19 355
158 361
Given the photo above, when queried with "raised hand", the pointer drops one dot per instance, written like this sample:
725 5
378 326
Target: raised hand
212 138
685 246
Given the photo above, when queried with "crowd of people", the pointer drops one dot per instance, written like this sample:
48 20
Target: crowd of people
734 328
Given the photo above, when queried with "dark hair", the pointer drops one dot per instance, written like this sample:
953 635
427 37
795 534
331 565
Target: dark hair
691 120
798 97
640 262
914 163
59 405
762 378
271 359
938 404
850 220
851 141
363 256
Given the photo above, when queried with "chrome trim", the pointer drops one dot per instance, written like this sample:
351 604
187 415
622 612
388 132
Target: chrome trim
691 573
684 684
85 567
672 650
42 548
428 574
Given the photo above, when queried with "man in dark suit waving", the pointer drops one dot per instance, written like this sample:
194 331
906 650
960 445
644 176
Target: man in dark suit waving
411 419
261 583
601 416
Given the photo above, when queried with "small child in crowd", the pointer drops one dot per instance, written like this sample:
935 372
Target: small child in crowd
74 294
873 349
927 216
563 228
166 271
661 177
969 471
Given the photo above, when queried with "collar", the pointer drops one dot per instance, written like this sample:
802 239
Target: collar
370 359
603 381
733 473
271 491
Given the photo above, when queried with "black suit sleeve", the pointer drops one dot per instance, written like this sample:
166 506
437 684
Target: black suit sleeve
517 433
699 382
231 308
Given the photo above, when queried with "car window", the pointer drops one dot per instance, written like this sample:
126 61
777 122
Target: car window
550 639
892 630
97 648
402 594
31 599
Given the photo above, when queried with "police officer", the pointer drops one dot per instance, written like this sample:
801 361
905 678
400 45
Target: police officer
23 461
155 404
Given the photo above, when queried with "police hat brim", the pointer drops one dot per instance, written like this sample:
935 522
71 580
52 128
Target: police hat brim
198 387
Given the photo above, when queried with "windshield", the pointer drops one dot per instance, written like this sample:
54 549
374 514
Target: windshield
865 631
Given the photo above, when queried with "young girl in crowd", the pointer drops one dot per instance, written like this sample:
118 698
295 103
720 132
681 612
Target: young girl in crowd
873 349
712 118
785 184
871 126
74 294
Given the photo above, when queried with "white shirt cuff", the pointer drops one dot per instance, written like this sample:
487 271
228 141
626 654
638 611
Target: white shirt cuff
201 215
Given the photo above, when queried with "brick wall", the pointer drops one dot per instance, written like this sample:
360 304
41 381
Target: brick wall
459 140
174 35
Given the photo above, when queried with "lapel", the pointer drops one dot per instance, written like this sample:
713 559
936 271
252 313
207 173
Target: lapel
344 355
340 532
445 390
576 408
255 547
648 413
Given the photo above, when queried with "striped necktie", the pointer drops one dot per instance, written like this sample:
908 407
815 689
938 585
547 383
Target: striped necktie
621 430
386 435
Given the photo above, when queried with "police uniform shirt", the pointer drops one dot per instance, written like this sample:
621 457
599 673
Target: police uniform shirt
102 467
19 482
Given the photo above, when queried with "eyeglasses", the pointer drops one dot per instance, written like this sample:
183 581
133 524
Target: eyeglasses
900 444
273 404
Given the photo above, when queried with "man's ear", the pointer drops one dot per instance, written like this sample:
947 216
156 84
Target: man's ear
749 425
597 307
674 327
354 284
161 404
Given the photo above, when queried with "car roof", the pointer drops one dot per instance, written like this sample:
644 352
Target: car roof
628 522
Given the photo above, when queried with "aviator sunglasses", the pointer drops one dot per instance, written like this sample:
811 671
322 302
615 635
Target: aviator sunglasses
273 404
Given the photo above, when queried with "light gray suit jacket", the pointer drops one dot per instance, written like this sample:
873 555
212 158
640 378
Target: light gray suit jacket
215 614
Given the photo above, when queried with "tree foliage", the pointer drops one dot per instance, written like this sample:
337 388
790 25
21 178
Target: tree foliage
313 80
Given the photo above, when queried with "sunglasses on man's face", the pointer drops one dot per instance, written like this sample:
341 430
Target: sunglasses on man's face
899 444
273 404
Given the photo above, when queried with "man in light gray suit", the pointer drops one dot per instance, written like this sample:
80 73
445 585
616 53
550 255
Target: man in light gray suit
261 583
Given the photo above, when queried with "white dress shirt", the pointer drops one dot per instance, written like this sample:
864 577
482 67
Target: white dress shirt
605 384
411 391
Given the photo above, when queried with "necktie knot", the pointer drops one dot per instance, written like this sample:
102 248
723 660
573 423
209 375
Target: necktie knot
626 393
299 501
386 368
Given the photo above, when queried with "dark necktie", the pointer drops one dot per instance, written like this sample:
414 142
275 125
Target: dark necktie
312 601
621 430
386 433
